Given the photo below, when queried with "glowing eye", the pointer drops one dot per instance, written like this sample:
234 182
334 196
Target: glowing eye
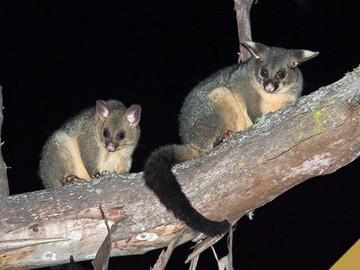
264 73
281 75
106 133
120 135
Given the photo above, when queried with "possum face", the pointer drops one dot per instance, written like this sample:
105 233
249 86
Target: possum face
117 126
276 68
272 78
113 140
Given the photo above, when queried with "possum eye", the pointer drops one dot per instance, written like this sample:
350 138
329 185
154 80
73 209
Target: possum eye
120 135
264 73
106 133
281 75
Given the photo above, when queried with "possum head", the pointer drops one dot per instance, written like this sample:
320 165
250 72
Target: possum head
118 125
276 68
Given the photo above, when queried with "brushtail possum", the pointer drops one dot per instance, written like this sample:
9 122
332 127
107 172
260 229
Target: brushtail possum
228 101
96 140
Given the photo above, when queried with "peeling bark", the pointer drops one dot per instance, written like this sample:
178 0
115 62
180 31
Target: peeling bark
316 136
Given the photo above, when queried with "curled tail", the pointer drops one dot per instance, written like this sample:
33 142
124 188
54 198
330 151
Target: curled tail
160 179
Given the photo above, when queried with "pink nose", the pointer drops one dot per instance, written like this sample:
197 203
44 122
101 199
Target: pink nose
270 87
110 147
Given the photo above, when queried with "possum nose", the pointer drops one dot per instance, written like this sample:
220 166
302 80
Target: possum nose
110 147
270 87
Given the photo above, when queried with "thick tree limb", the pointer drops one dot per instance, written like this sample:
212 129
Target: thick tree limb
317 136
4 184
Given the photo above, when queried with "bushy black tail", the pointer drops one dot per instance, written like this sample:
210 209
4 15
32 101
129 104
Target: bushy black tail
159 178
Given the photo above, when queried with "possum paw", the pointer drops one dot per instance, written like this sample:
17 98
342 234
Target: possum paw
98 175
227 134
72 179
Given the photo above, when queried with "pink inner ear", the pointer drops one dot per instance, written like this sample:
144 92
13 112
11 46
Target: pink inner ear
133 114
101 109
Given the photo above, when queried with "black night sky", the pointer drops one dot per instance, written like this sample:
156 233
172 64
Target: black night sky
59 57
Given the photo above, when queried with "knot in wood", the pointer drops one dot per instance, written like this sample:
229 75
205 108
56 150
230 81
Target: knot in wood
354 101
34 228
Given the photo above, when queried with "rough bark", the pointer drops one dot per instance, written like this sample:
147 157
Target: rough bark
316 136
4 184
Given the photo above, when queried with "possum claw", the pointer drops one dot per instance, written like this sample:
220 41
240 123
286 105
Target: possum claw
72 179
227 134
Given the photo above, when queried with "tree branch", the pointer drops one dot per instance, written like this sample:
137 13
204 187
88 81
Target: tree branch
316 136
242 9
4 183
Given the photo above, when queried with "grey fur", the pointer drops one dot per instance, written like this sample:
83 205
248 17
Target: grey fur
228 101
80 145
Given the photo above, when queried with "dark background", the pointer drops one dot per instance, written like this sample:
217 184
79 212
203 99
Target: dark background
58 57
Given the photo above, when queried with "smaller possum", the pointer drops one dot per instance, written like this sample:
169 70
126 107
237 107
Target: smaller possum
96 140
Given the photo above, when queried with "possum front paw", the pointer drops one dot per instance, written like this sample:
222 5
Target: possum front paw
100 174
72 179
227 134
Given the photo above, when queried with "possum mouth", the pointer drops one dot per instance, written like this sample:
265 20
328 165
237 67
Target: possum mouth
111 147
271 87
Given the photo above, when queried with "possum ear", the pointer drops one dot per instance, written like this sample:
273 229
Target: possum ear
133 114
101 109
257 49
299 56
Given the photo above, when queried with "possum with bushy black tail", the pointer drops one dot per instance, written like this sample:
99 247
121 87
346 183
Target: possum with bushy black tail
228 101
